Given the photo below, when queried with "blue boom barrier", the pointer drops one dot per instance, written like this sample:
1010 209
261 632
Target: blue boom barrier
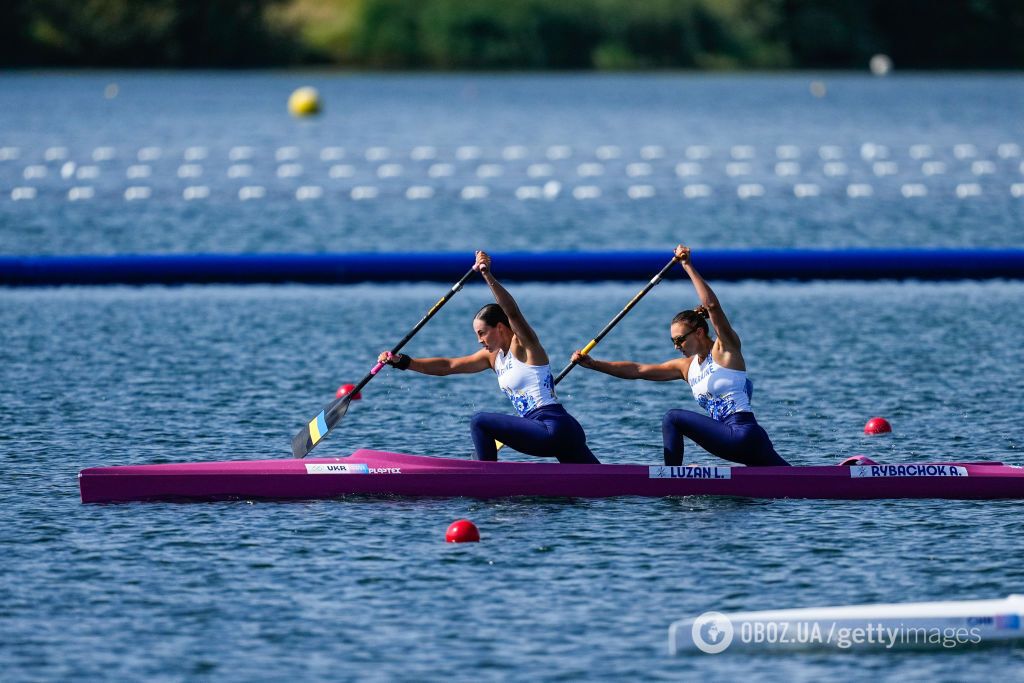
561 266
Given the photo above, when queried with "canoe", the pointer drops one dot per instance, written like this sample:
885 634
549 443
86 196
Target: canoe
379 473
941 625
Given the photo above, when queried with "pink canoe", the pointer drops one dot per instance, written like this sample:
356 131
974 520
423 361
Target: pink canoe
377 473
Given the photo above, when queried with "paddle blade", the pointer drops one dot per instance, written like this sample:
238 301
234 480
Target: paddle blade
317 428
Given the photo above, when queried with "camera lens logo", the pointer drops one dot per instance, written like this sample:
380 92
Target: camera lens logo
712 632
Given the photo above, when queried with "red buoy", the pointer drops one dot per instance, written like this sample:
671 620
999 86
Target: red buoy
877 425
347 389
462 531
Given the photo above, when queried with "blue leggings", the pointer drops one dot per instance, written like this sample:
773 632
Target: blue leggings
737 438
547 432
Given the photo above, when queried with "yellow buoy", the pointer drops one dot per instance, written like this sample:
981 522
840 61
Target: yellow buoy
304 101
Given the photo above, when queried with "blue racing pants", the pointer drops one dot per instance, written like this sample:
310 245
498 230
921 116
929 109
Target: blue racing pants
547 432
738 438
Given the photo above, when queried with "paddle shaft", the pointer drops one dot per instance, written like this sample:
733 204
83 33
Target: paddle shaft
317 428
622 314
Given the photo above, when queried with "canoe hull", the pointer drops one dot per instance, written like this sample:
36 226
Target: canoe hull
378 473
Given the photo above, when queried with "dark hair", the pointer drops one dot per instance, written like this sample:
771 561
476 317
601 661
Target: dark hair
492 314
695 318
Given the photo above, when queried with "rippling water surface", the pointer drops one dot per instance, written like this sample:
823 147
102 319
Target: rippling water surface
558 589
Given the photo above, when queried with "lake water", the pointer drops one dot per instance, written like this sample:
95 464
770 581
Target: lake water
367 589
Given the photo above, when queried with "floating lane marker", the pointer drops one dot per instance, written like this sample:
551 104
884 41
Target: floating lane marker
9 153
490 170
742 152
606 152
552 189
698 152
309 192
983 168
803 190
737 168
589 170
697 191
251 192
1008 150
55 154
685 169
103 153
933 168
913 190
87 172
423 153
529 192
377 153
440 170
419 192
240 153
149 154
965 151
750 190
921 151
195 192
830 152
539 170
475 192
556 152
289 170
640 191
787 152
389 170
787 168
966 190
342 171
884 168
586 192
190 171
362 192
870 151
34 172
239 171
513 153
80 193
638 170
137 193
835 168
859 190
196 153
290 153
332 153
651 152
138 171
467 153
23 193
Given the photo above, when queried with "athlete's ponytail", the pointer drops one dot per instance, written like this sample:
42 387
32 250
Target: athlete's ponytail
492 314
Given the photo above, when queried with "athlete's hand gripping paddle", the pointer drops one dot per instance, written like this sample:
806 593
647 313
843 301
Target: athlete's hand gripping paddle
328 418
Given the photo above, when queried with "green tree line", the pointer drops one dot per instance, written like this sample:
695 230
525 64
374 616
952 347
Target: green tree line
513 34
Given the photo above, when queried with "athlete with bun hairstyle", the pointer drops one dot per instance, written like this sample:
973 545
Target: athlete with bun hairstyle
717 375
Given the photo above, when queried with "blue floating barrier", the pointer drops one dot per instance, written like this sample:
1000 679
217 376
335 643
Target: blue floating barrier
551 266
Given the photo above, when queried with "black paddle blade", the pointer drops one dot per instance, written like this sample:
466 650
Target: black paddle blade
317 428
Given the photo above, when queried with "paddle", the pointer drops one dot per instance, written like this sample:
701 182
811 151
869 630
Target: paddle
614 321
317 428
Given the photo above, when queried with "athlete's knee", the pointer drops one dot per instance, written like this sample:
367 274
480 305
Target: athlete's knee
480 421
674 419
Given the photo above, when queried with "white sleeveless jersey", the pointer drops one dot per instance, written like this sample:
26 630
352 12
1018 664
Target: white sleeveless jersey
527 386
718 390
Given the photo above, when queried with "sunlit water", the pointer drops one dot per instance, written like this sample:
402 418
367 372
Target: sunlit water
557 589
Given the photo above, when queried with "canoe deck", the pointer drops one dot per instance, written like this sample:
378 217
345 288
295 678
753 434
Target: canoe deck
379 473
